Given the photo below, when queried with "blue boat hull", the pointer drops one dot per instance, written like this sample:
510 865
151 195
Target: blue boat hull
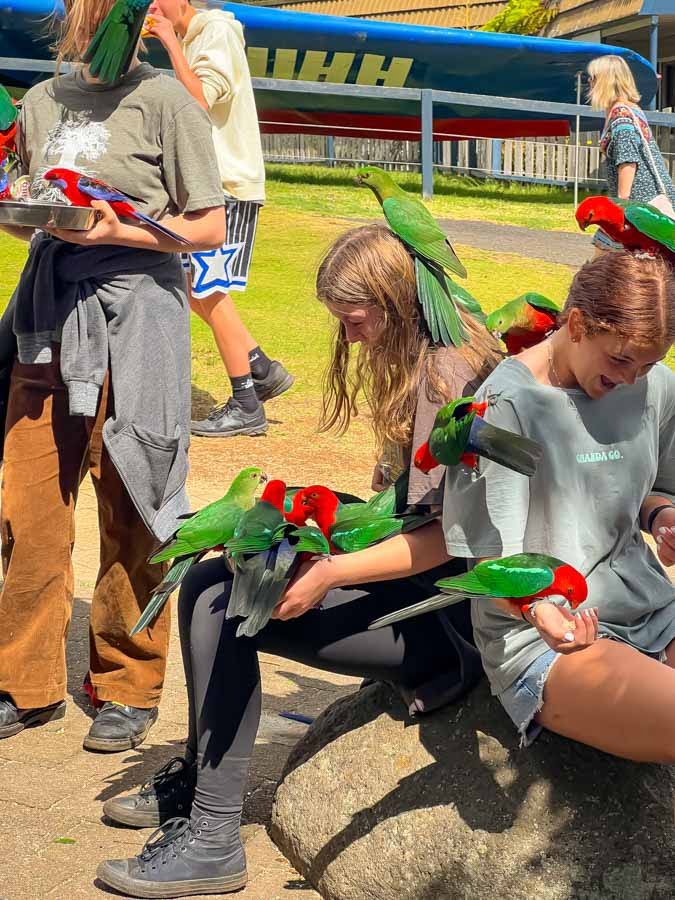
307 47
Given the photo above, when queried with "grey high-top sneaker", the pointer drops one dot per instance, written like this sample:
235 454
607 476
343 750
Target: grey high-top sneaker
168 794
183 861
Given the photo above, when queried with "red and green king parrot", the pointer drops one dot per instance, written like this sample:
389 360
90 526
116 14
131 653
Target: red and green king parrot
265 552
112 48
521 578
461 435
208 529
434 258
638 226
524 322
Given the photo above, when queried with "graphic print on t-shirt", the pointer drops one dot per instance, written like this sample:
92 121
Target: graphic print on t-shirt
72 144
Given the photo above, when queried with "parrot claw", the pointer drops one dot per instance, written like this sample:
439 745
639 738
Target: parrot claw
493 399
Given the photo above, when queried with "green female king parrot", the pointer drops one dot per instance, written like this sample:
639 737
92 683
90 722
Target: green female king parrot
202 531
265 552
521 578
461 435
524 322
8 120
638 226
434 257
112 48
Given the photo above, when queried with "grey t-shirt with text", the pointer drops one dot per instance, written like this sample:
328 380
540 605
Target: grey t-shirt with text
146 136
602 458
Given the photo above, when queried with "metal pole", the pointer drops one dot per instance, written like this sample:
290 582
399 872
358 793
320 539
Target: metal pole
576 144
654 52
330 150
427 145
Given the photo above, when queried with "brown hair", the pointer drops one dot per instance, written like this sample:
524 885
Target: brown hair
632 297
370 267
78 27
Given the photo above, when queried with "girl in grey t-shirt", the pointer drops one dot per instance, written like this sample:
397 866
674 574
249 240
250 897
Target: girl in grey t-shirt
597 397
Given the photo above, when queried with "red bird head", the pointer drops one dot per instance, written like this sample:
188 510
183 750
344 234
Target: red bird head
319 503
65 179
275 493
599 211
424 460
570 584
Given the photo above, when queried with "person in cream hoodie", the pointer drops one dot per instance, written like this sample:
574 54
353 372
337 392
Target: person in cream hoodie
207 52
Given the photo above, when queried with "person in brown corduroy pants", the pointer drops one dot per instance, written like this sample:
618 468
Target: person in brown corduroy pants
47 455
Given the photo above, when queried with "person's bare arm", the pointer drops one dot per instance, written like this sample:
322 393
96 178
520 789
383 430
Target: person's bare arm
626 178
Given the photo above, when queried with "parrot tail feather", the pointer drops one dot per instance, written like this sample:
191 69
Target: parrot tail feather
438 307
163 591
438 601
516 452
153 223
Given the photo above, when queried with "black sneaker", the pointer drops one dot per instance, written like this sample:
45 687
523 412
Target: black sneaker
230 419
13 720
277 381
186 860
119 727
168 794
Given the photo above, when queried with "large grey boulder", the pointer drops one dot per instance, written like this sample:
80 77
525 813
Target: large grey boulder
376 806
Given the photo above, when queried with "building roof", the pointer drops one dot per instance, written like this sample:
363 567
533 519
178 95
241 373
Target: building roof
441 13
582 15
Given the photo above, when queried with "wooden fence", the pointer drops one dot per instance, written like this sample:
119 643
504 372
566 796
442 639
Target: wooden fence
544 160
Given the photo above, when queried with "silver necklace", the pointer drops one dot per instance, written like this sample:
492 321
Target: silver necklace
552 364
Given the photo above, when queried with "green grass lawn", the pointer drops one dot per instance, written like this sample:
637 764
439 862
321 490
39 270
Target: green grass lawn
280 307
317 188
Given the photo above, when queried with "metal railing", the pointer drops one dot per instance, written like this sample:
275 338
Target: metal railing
426 98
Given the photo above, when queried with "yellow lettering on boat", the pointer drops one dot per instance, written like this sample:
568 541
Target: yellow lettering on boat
373 71
284 64
315 68
257 61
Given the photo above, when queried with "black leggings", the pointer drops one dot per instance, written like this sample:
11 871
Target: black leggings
223 677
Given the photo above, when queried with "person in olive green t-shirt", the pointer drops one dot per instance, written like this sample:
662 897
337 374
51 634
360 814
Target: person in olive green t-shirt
145 135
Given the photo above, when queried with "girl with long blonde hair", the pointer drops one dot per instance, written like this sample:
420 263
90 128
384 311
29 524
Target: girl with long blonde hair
635 167
367 282
100 359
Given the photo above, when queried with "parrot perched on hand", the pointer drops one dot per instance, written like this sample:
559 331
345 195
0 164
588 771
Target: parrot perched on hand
638 226
202 531
434 257
265 552
354 526
81 190
521 578
460 435
113 47
524 322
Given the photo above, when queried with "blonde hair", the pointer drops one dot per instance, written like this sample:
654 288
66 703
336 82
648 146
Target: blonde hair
370 267
612 81
621 294
78 27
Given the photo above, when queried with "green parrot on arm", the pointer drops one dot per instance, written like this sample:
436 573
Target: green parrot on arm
434 257
461 435
112 48
521 578
205 530
8 111
265 552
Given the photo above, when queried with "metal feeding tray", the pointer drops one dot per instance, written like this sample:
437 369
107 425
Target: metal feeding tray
33 214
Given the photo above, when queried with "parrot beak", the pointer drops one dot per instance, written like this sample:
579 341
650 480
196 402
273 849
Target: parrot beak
264 478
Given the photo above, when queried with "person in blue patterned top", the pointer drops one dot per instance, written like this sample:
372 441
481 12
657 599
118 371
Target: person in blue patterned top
635 167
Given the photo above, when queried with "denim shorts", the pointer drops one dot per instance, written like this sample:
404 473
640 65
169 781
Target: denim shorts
523 699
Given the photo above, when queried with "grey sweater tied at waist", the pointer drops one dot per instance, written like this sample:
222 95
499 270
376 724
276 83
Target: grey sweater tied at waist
123 310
